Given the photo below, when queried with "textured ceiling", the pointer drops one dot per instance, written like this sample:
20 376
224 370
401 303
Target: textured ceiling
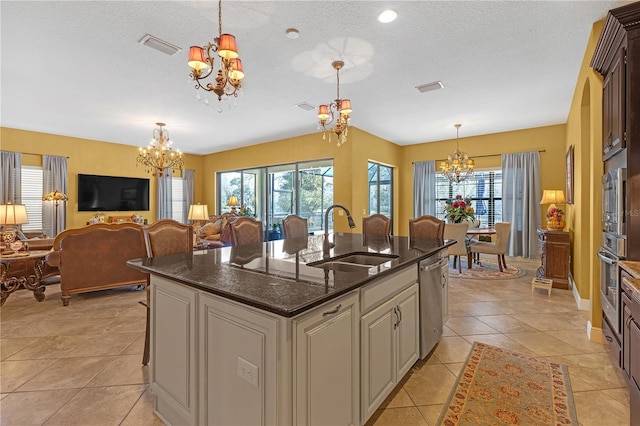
77 69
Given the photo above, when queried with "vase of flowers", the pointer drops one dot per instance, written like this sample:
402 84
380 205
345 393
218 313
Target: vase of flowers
555 218
459 209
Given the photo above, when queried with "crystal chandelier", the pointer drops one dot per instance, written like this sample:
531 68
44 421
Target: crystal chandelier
230 74
337 111
458 165
159 155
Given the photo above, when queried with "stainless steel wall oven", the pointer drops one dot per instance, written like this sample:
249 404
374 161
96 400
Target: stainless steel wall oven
613 243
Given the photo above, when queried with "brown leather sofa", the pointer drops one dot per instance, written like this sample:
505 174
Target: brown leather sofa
95 257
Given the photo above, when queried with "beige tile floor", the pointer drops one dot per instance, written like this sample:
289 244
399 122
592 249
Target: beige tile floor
80 365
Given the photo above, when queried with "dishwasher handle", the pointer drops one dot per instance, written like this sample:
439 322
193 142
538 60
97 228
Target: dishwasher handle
439 264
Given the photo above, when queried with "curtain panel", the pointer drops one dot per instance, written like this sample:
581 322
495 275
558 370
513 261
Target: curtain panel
424 188
11 173
54 178
164 195
187 188
521 201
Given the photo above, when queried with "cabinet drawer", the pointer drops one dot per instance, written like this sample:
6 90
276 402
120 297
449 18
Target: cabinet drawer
379 292
615 350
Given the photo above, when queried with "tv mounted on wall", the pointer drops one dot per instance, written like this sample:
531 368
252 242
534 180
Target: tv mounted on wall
112 193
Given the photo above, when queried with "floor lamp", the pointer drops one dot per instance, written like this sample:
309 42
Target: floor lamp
56 197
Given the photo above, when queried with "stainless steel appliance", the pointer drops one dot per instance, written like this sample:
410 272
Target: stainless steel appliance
613 244
433 277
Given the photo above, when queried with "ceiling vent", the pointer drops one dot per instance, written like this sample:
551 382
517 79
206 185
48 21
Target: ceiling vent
306 106
159 45
429 87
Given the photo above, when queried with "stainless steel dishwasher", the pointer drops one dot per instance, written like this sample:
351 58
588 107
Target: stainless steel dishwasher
433 276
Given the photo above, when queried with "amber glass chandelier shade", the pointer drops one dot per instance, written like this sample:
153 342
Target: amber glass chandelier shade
197 59
236 72
227 48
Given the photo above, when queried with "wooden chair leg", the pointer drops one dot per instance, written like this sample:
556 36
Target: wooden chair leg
500 264
455 258
459 264
504 262
469 260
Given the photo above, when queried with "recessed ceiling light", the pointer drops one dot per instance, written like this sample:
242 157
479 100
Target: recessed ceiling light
292 33
430 86
388 15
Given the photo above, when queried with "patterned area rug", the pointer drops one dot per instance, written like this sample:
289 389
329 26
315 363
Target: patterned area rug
486 271
501 387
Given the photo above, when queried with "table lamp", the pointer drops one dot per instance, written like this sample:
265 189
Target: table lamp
198 213
554 215
233 203
12 214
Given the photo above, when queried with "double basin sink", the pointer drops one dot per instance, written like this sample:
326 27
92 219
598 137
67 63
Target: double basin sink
353 262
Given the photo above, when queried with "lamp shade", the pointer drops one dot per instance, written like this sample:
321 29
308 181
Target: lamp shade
55 196
236 72
553 196
198 212
345 106
323 112
196 58
227 48
233 201
13 214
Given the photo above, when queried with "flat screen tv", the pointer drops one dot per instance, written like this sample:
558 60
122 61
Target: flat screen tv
112 193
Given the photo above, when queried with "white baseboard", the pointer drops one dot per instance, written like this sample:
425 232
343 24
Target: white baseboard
595 334
583 304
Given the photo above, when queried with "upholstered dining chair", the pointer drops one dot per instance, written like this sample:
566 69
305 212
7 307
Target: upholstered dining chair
458 232
426 227
376 224
246 230
163 238
294 226
498 248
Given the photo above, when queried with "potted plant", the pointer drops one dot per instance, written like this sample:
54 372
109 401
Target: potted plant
274 233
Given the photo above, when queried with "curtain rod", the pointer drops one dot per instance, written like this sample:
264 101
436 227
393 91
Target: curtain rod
493 155
37 153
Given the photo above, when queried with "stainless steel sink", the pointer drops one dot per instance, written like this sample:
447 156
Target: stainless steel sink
352 262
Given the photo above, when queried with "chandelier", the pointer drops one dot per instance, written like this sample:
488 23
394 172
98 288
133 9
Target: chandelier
458 165
230 74
336 112
159 155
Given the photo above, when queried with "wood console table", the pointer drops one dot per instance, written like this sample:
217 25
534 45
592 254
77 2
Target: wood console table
555 250
30 282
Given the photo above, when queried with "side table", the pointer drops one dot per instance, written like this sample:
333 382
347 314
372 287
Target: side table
30 282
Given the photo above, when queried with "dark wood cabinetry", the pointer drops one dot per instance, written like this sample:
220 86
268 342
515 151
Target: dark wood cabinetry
613 108
555 249
631 343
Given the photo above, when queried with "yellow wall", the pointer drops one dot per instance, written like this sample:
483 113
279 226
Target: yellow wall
584 132
90 157
550 139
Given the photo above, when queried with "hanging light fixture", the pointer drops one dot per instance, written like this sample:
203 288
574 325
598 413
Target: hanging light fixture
159 155
230 74
458 165
337 112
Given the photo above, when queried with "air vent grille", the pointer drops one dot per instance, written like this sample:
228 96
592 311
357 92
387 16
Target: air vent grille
430 87
306 106
159 45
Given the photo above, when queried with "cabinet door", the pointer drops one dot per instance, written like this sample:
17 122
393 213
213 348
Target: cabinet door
407 331
173 351
616 101
326 373
634 362
378 356
626 335
606 117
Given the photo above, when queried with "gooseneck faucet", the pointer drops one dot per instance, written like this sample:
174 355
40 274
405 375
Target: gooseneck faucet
326 217
326 246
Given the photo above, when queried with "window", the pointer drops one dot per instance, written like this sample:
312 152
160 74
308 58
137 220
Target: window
380 190
32 191
484 189
178 207
273 192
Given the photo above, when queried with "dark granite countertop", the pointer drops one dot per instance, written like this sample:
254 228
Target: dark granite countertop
274 276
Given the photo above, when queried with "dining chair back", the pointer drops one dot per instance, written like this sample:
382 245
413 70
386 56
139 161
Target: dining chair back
458 232
426 226
163 238
246 230
376 224
294 226
498 248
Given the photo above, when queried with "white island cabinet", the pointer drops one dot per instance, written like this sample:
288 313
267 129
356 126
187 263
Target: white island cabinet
254 348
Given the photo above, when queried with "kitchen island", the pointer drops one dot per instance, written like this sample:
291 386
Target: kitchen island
256 335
